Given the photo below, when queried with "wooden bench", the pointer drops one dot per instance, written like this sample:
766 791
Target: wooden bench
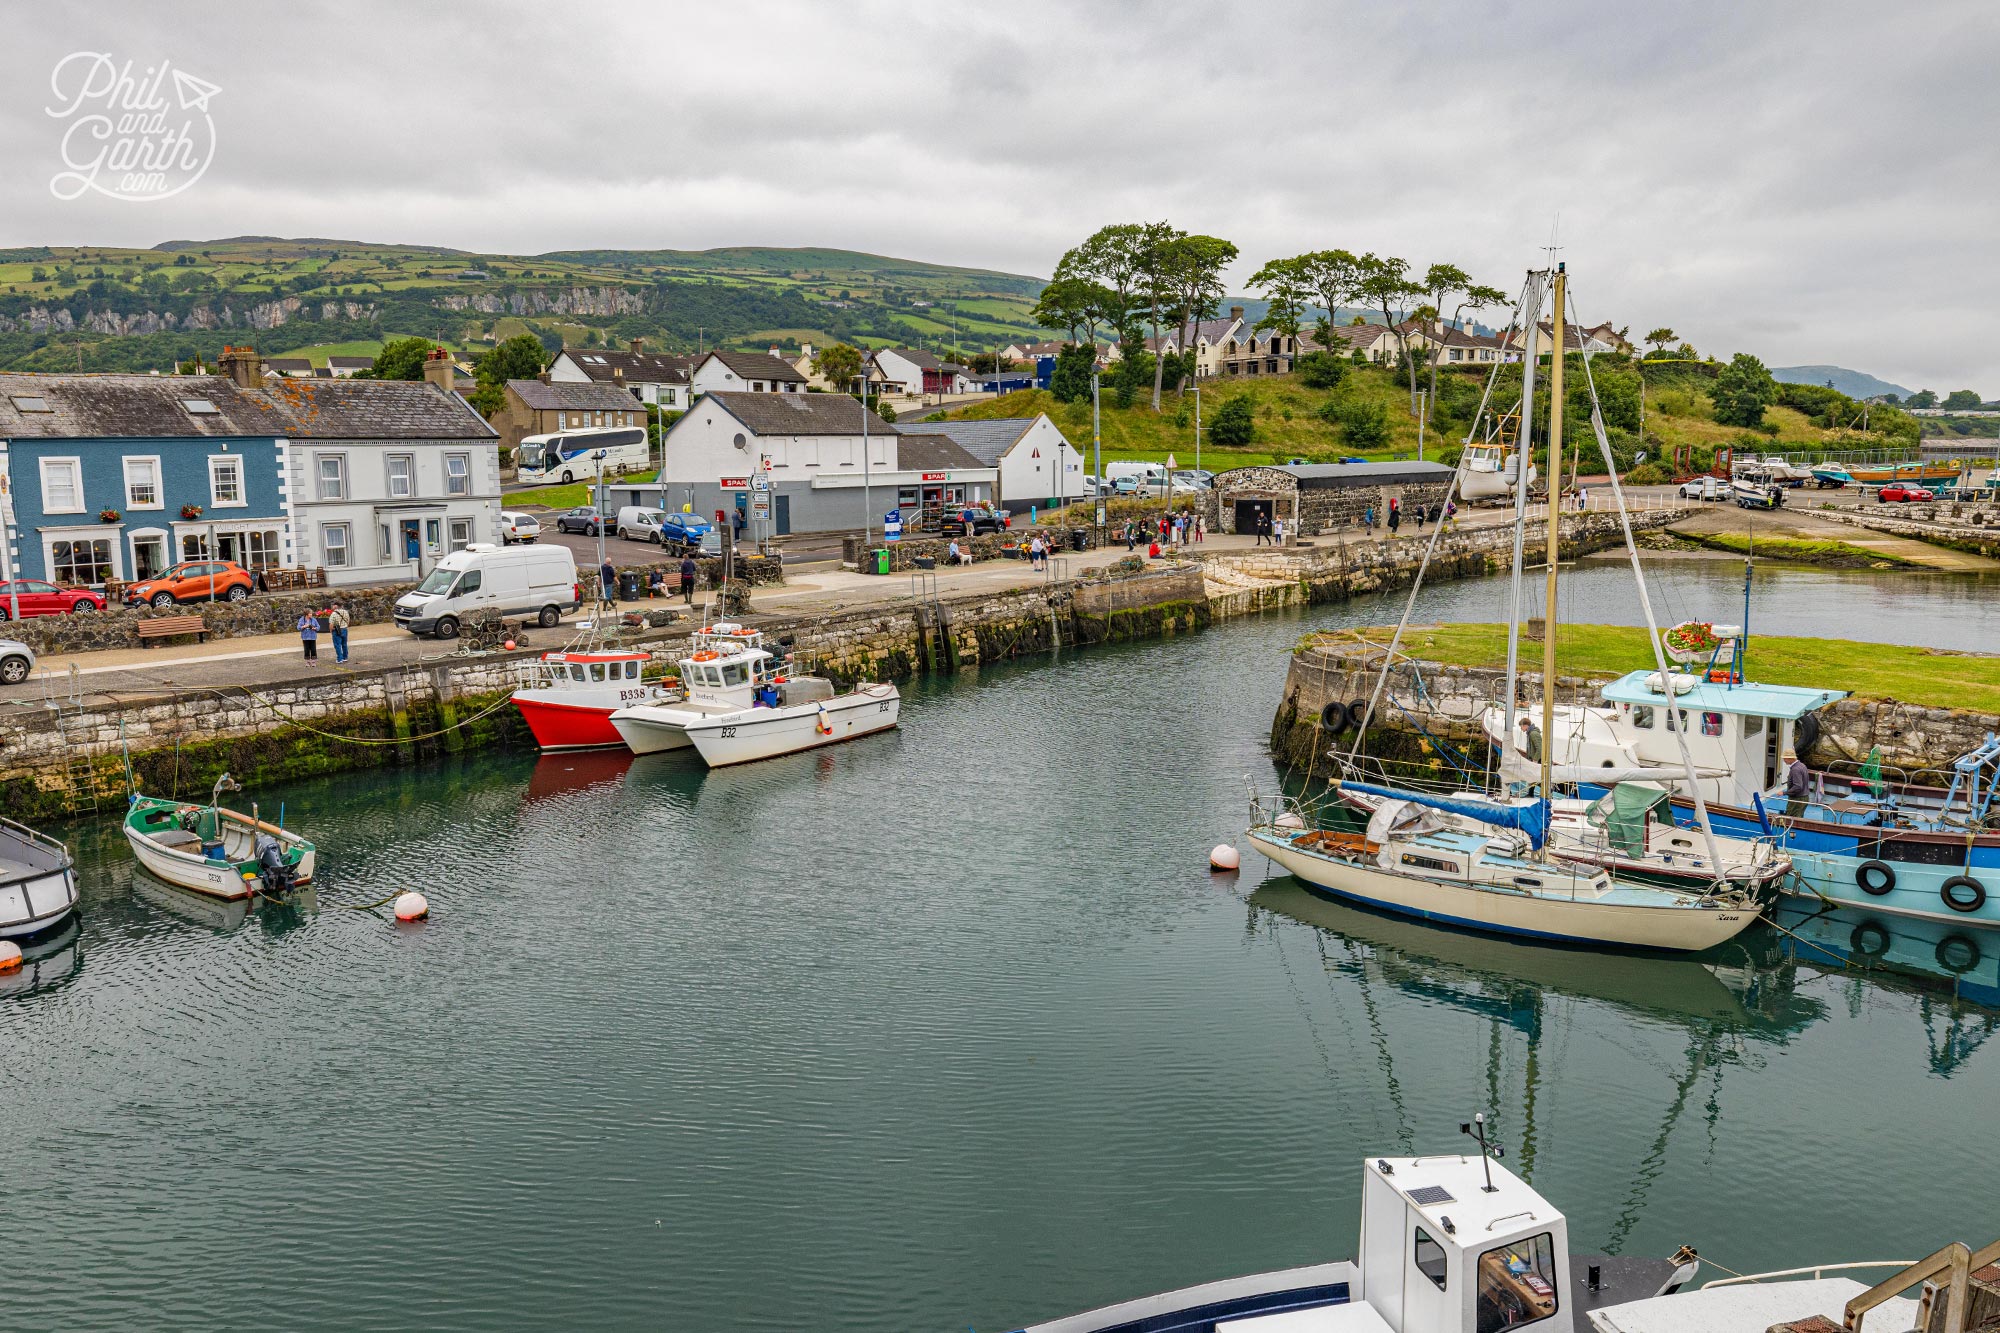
167 627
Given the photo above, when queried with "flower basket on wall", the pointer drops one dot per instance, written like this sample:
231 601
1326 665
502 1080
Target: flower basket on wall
190 512
108 516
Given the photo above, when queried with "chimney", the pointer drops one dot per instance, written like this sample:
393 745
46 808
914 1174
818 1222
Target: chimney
542 375
439 370
244 366
774 349
1236 312
618 375
806 350
638 347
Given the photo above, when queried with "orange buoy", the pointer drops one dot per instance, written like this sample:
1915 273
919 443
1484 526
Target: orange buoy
10 955
509 645
412 907
1224 857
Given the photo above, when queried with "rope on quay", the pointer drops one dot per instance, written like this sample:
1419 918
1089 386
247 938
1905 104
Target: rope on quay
251 694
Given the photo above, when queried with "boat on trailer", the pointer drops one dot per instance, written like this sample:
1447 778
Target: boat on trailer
217 851
1460 1244
37 880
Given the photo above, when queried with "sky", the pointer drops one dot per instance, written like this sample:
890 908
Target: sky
1811 182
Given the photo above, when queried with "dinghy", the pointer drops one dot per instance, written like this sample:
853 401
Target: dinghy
37 880
213 850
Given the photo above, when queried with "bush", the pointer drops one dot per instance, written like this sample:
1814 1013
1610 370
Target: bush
1647 474
1361 425
1234 426
1071 381
1743 389
1320 370
886 412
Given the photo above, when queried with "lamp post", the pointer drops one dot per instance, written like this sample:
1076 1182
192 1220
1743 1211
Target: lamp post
867 494
1097 454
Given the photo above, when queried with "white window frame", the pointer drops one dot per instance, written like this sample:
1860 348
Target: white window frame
461 483
345 545
562 421
319 476
234 461
389 461
101 533
461 533
159 500
75 466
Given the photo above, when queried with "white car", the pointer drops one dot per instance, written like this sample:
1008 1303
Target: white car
1705 488
516 527
17 659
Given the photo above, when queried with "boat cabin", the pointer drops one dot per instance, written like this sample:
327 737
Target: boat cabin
584 670
729 668
1736 730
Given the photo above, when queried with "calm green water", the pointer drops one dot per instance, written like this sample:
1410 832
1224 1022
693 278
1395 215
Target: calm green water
943 1029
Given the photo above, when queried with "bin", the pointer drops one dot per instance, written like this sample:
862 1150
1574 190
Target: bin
1079 539
882 561
628 585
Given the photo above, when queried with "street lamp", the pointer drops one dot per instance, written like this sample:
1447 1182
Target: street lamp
867 495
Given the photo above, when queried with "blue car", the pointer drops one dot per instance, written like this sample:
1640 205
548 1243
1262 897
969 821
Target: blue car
683 530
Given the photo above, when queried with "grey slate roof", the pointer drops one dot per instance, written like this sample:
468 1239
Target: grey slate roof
638 367
984 440
150 406
350 362
1314 476
289 365
933 453
561 397
799 413
757 366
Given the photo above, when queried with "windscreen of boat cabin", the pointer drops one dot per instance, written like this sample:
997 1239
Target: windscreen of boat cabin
1516 1284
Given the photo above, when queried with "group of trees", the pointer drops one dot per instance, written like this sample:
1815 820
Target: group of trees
520 357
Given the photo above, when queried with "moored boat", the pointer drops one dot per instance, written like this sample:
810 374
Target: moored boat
569 704
37 880
214 850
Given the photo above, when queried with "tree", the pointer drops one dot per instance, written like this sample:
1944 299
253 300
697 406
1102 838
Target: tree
400 359
1332 275
1070 383
1443 281
1197 265
520 357
1113 259
1922 398
1158 291
839 364
1288 287
1320 370
1962 400
1743 389
1074 304
1659 338
1385 283
1233 425
1363 425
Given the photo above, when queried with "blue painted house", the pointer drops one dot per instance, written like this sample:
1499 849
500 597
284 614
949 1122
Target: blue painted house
119 476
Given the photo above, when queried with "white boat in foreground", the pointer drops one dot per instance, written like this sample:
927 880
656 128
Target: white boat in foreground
738 705
217 851
37 880
1460 1244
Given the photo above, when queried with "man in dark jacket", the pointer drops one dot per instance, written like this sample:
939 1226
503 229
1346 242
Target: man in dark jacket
687 579
607 584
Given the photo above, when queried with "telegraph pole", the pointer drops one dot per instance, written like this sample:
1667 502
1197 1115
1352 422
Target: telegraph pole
1097 453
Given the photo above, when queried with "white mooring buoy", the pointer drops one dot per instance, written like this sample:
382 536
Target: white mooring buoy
412 907
1224 857
10 955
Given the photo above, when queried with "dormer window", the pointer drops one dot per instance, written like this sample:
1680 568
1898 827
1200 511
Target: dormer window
200 407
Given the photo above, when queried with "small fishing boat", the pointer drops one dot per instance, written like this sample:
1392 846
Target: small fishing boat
1877 474
37 880
1488 468
1831 476
569 702
214 850
739 705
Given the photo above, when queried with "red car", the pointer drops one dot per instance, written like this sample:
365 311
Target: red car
1897 491
37 598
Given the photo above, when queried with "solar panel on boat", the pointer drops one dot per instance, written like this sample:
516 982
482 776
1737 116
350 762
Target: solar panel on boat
1430 1194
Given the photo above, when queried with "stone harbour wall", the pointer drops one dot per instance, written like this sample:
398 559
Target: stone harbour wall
264 613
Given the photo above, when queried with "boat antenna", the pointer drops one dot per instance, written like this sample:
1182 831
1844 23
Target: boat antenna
1487 1151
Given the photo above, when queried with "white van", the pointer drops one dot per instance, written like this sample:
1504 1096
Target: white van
485 580
1150 476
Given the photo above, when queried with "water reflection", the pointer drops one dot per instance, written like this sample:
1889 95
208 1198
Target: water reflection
48 960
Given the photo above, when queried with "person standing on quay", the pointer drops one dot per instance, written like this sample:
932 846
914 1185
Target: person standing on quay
336 621
309 636
687 579
1395 518
607 585
1277 532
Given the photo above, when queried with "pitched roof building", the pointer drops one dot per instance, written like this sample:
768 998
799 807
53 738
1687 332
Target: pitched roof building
650 377
540 406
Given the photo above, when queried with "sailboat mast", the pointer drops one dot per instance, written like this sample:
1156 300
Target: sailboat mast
1531 319
1555 534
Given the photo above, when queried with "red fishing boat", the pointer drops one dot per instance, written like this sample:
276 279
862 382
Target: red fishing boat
568 706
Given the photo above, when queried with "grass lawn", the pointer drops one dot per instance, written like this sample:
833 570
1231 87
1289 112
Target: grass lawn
1925 676
567 497
1840 554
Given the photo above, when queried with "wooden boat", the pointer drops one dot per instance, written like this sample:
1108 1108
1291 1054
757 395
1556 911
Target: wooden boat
37 880
213 850
1877 474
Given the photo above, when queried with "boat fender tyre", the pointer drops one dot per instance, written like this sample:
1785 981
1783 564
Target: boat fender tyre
1875 878
1963 893
446 628
1357 713
550 617
1333 717
1957 954
1806 734
1869 940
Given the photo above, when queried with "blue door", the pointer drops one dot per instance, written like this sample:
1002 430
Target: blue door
781 514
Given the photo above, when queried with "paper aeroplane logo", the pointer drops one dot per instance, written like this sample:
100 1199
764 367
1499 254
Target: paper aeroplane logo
125 136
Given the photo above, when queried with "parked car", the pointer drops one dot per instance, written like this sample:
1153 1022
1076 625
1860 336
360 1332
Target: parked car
1897 492
661 527
194 581
518 527
17 659
1126 486
1705 488
953 522
37 597
583 519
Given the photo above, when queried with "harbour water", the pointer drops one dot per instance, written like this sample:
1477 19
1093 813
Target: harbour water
945 1029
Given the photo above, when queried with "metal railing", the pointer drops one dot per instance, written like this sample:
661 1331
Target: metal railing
1814 1273
1955 1262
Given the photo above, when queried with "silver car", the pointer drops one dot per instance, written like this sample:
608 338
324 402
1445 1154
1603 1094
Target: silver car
17 659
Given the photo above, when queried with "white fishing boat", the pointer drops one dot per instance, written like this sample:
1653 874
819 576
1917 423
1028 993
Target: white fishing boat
1489 468
217 851
1457 1243
740 705
37 880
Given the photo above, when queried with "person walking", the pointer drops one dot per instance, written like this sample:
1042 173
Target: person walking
1201 527
309 635
1395 518
687 579
1036 552
607 585
1423 512
336 621
1131 537
1368 519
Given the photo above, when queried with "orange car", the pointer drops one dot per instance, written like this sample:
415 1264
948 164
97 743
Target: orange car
194 581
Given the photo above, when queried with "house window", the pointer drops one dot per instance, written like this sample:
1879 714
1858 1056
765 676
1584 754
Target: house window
431 533
62 486
332 476
562 421
461 533
142 483
225 480
600 418
388 544
260 549
458 474
86 560
1516 1285
333 541
402 476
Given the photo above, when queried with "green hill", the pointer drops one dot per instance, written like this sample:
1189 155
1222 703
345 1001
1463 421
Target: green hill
1853 383
125 309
